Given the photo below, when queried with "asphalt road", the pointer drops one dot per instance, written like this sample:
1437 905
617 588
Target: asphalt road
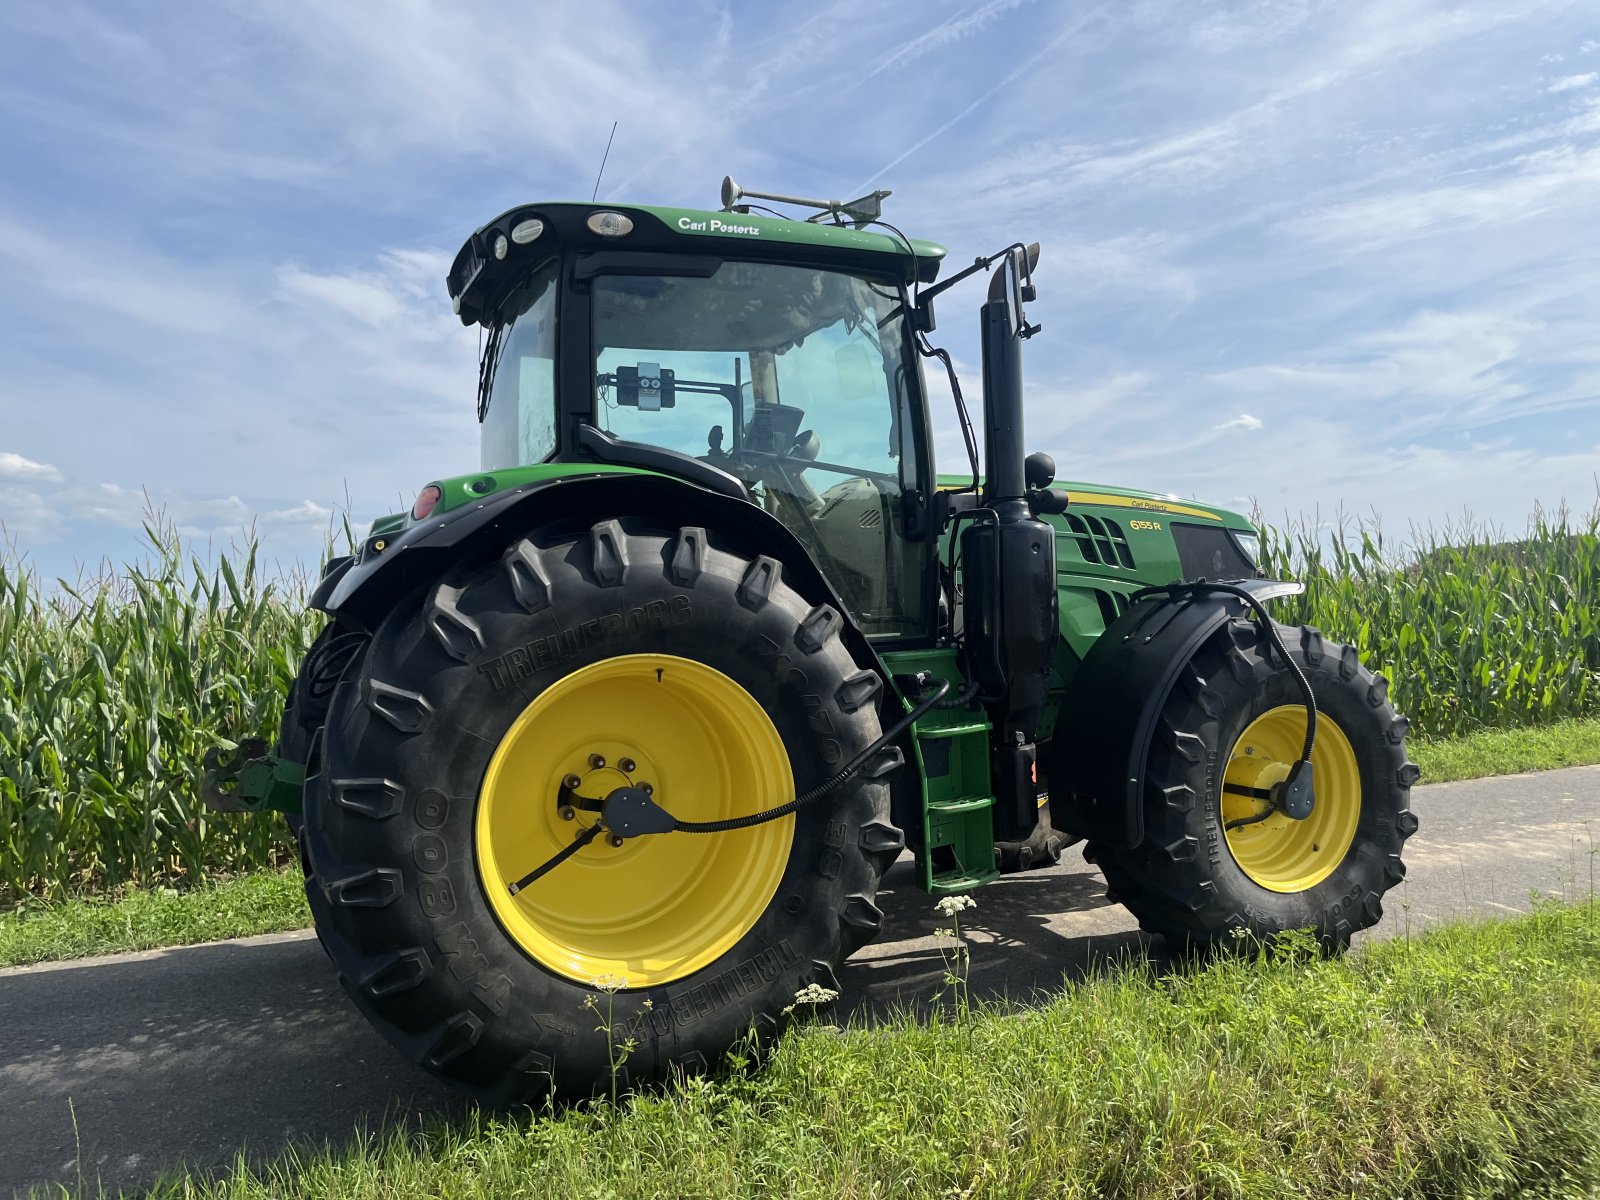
112 1068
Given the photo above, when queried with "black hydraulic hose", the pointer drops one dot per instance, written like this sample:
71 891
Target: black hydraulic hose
964 419
833 783
1273 636
578 843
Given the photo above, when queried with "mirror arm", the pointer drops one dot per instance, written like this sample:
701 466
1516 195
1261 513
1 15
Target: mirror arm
924 295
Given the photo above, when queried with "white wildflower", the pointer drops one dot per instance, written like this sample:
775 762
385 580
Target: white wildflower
812 994
609 983
951 905
815 993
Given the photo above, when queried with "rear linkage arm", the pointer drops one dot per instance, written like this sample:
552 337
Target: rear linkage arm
630 812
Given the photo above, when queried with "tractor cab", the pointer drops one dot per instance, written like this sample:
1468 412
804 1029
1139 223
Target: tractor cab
766 359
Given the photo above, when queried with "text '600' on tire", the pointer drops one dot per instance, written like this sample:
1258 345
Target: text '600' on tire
1218 864
608 657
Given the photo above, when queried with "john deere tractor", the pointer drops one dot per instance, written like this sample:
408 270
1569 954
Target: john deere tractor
647 704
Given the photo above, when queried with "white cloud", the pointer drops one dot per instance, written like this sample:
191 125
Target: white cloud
27 519
1446 364
14 466
1530 186
307 511
369 301
1571 83
1242 421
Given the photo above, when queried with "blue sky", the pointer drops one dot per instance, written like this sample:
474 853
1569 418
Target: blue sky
1313 254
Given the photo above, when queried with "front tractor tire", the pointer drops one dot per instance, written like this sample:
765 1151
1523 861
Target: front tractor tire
616 656
1230 729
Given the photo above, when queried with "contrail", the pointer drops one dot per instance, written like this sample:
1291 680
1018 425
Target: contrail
1066 33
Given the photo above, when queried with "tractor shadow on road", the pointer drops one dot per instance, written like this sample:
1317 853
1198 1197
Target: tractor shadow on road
195 1056
1028 934
119 1069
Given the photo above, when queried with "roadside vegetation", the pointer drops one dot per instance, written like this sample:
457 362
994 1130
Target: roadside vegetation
1473 630
1463 1063
112 689
264 901
1570 743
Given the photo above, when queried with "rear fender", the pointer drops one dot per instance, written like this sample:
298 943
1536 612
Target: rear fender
1096 760
361 590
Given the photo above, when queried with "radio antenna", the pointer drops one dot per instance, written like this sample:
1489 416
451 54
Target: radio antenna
601 175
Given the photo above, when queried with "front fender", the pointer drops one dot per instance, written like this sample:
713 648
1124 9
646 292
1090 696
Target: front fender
1096 760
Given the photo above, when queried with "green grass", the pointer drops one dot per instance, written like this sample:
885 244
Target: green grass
1465 1063
264 902
1571 743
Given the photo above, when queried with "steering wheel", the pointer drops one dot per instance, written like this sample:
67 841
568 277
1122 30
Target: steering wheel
806 445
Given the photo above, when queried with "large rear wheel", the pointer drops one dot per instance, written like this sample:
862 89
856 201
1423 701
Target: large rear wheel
1217 861
487 716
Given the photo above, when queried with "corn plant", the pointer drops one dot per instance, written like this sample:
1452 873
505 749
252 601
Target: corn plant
111 689
1474 630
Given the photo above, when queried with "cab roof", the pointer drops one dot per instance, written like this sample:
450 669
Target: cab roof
478 279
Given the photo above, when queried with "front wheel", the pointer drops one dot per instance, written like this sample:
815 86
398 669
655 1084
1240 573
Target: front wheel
1209 869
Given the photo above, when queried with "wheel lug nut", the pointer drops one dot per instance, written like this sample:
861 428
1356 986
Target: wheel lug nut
614 841
647 789
625 765
572 783
597 761
567 812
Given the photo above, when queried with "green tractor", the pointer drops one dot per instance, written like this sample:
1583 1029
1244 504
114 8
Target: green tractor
647 704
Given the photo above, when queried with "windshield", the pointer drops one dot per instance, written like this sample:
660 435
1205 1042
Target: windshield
800 382
519 421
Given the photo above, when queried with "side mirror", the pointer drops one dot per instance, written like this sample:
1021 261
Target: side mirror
1013 283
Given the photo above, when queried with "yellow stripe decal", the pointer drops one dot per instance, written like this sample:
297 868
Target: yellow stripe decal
1106 499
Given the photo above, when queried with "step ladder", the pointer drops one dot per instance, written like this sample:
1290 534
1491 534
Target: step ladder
958 818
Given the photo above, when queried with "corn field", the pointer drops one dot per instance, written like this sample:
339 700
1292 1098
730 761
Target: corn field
112 690
1473 631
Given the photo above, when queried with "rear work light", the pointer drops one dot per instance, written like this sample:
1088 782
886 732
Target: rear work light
427 500
610 224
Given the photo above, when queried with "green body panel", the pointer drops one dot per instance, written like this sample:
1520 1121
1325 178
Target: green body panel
731 229
464 489
1092 571
697 223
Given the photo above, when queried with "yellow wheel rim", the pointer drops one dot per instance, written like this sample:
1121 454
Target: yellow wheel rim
1280 854
660 906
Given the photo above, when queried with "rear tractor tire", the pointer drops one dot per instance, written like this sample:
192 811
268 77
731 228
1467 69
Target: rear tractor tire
620 655
1233 724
